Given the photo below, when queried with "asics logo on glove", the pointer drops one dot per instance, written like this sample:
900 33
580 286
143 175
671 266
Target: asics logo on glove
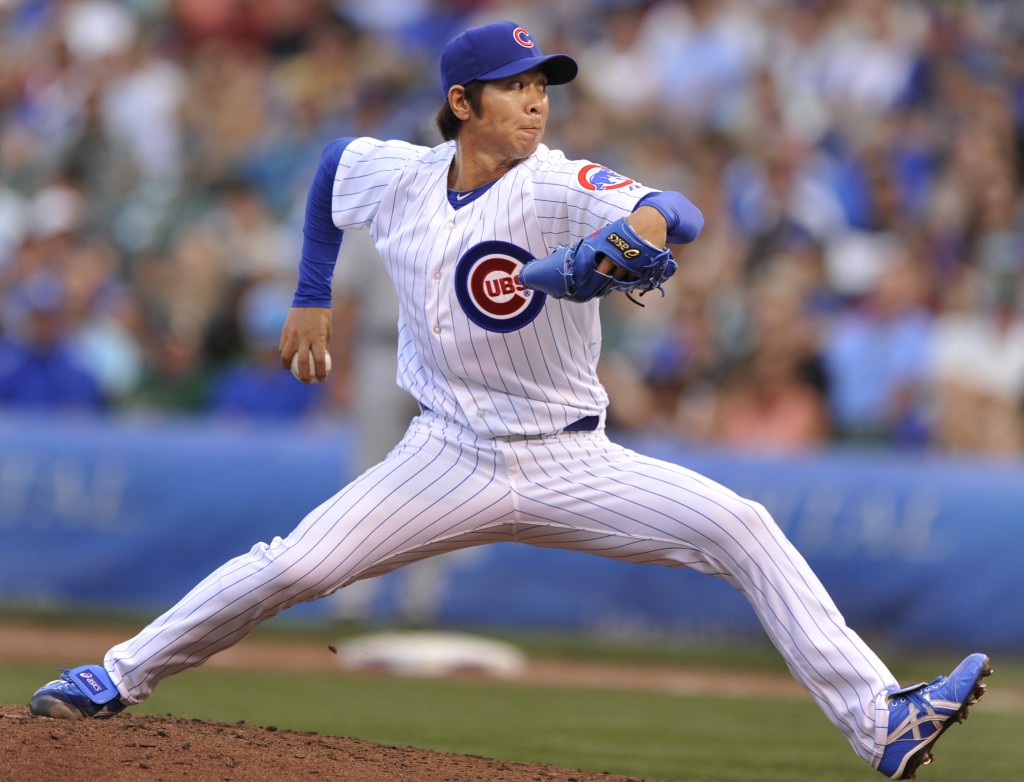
628 251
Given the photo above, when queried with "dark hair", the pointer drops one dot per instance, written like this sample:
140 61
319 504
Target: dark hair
446 120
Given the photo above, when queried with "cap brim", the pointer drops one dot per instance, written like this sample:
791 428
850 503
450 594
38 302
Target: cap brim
559 68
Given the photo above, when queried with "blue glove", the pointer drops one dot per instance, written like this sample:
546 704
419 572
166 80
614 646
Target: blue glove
570 272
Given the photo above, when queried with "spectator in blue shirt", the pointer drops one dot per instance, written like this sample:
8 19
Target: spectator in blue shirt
253 386
876 358
39 367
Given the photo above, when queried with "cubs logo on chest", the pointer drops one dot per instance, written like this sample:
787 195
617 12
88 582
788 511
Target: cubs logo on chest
488 288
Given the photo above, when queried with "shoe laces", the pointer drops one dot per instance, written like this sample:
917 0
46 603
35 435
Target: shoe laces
920 696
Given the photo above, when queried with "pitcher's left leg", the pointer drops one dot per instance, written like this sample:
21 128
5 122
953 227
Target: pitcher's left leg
587 494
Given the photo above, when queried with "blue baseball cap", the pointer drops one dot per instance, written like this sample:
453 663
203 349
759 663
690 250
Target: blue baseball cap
497 50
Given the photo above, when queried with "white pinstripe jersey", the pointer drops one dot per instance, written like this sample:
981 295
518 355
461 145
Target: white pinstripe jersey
474 346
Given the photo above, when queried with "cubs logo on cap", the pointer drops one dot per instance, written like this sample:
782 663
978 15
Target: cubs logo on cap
496 50
523 37
488 287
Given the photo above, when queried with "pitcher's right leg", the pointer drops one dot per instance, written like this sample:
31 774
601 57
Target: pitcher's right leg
441 489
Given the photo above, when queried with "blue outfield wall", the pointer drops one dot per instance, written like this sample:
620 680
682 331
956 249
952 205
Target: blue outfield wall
129 515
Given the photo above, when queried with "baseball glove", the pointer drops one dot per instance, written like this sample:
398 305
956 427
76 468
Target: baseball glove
571 271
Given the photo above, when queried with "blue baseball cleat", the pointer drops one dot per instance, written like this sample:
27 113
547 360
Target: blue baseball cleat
919 714
86 691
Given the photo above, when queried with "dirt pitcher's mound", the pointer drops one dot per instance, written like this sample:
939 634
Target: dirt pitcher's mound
172 749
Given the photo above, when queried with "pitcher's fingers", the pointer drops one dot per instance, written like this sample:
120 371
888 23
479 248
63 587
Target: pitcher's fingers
287 349
611 269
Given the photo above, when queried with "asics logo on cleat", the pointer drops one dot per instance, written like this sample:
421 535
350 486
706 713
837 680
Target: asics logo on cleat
65 698
918 715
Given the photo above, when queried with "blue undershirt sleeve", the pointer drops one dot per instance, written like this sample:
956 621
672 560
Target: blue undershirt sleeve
321 238
685 221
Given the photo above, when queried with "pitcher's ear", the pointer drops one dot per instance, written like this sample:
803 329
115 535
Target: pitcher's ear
458 102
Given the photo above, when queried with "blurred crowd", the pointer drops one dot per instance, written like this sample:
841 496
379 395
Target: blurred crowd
858 163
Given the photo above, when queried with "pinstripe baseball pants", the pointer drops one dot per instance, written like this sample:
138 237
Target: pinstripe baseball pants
444 488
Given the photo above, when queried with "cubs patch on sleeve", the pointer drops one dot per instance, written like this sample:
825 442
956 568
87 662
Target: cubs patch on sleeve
596 178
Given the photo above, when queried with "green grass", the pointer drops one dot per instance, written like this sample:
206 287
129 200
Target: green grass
652 735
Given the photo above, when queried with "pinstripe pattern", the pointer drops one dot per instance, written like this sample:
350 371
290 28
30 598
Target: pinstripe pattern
457 479
490 382
396 513
587 494
573 491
